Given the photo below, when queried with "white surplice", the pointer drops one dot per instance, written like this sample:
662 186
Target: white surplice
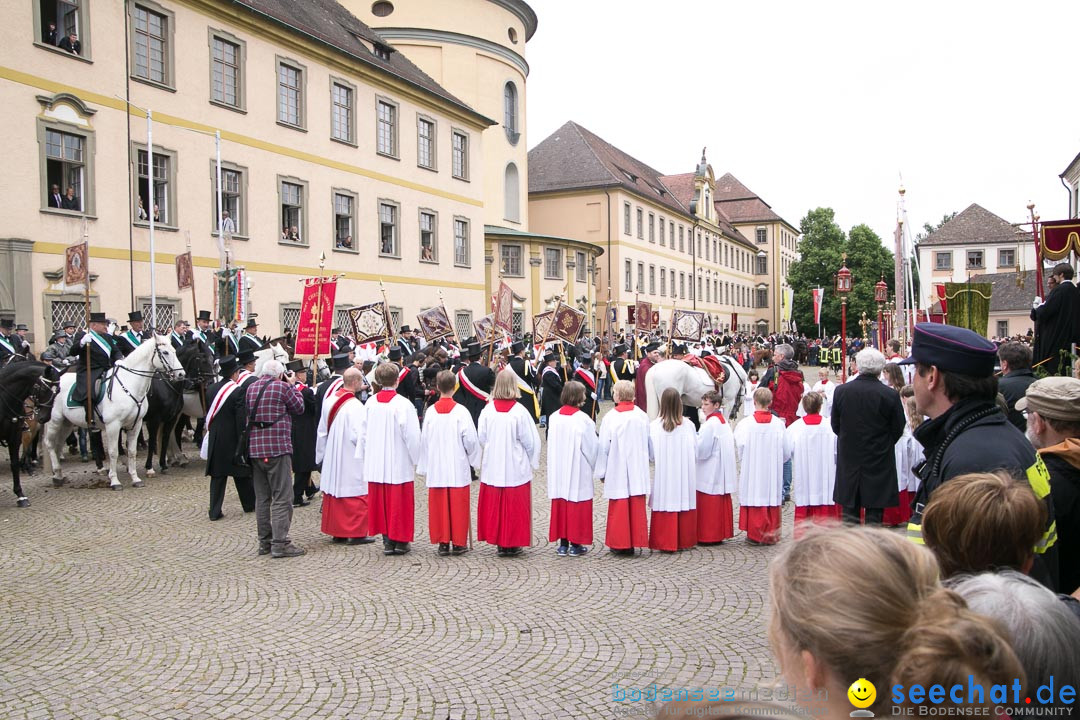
812 449
336 448
448 448
760 447
716 472
391 444
908 453
622 459
674 486
826 388
748 399
511 446
571 456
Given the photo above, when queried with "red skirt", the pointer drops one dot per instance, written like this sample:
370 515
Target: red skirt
448 515
627 525
762 524
714 518
504 515
824 515
571 521
673 530
345 517
392 512
899 515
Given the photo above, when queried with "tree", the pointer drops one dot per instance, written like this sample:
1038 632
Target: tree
822 247
927 228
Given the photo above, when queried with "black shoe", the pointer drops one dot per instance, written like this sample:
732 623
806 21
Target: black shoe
337 540
501 552
444 549
311 491
401 548
387 546
217 517
459 550
359 541
288 551
513 552
264 548
301 503
622 552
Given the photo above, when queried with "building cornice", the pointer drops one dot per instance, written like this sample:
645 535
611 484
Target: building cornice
524 13
395 34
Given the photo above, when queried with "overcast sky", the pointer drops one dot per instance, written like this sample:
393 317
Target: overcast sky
826 103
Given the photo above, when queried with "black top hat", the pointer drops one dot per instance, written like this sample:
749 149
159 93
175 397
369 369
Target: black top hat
295 366
678 349
21 326
251 323
404 329
7 324
246 357
340 361
336 329
204 315
228 365
98 317
619 350
395 354
551 357
516 347
135 316
651 347
68 324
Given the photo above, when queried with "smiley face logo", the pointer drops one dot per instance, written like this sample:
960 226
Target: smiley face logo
862 693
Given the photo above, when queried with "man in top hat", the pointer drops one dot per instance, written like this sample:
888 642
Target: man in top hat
226 416
652 357
1057 322
304 428
621 368
1053 426
551 386
475 381
103 353
405 342
584 375
341 343
20 339
202 330
338 365
246 359
407 379
967 432
129 340
249 339
525 379
8 342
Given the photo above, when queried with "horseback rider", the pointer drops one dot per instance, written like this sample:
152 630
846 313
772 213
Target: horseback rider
180 334
249 339
130 340
10 344
103 353
203 331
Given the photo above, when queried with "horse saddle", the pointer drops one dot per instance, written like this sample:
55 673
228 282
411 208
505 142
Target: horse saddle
710 365
76 392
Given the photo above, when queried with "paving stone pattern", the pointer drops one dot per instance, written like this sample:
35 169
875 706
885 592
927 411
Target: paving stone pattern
133 605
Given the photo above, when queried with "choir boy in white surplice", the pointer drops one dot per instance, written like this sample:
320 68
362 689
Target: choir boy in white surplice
511 447
390 450
673 444
571 456
339 437
908 453
759 444
717 476
811 444
826 387
622 463
449 450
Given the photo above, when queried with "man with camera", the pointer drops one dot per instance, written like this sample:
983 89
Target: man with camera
271 401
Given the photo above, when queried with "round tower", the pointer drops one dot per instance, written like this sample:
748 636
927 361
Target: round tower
476 50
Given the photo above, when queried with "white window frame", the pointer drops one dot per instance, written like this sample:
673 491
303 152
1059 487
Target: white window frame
551 261
301 92
165 200
505 257
350 110
431 141
459 154
353 199
434 230
302 226
395 251
462 231
384 104
168 42
214 35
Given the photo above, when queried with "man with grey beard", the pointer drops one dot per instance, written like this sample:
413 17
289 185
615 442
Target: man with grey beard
1053 426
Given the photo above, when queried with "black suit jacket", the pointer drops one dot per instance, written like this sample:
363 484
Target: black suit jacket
56 201
868 419
70 204
224 433
65 44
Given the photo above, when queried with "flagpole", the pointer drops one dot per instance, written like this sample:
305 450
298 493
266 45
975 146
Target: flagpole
491 333
150 213
386 314
453 326
86 303
194 307
318 308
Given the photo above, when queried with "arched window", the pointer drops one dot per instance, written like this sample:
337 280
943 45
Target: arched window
510 113
511 194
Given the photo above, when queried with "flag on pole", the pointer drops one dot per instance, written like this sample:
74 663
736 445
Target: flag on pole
566 323
316 318
482 329
76 265
369 322
542 325
435 324
185 277
643 316
818 295
504 308
687 324
786 296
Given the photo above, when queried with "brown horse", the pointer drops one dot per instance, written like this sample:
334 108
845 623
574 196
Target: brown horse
761 355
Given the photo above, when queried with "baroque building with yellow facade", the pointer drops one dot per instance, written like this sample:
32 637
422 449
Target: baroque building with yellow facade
332 141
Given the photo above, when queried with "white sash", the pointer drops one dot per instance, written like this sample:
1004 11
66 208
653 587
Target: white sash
464 379
223 394
401 375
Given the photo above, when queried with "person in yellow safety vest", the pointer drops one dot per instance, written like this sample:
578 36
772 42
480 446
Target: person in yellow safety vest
967 432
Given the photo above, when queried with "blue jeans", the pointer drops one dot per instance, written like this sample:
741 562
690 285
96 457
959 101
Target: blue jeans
787 480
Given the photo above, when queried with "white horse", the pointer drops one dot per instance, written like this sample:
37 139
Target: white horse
122 407
273 351
693 382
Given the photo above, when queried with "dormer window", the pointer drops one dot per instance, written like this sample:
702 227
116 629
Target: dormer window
381 51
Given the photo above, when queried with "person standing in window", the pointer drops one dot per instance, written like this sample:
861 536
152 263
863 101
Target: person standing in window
71 43
56 200
49 35
70 200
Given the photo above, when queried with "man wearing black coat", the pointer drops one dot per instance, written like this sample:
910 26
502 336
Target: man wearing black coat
551 386
1057 322
868 419
304 429
1016 376
226 417
475 381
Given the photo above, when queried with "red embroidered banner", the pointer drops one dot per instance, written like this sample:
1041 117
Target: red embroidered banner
184 273
504 308
316 318
1059 238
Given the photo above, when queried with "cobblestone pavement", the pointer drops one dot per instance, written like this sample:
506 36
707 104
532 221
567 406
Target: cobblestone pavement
133 605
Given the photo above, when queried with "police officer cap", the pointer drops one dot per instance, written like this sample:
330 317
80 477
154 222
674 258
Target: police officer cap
340 361
394 354
228 365
954 349
245 357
